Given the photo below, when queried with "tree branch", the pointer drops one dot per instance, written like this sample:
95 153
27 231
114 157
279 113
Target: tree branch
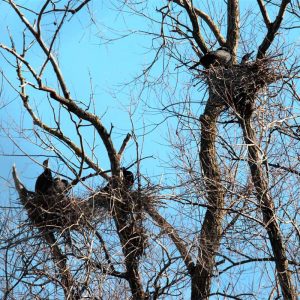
196 28
264 13
272 30
268 211
172 233
233 26
208 20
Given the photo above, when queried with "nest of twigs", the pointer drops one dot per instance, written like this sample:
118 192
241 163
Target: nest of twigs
128 200
59 211
128 207
54 212
237 86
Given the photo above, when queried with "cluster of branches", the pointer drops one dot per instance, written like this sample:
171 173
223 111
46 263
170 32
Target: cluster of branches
114 255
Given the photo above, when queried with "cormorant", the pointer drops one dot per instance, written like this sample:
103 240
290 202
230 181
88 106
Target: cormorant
60 185
128 181
246 57
44 182
106 189
219 57
128 178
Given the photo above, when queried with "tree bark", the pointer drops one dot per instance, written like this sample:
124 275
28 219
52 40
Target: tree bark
129 238
131 259
211 232
233 27
67 282
268 211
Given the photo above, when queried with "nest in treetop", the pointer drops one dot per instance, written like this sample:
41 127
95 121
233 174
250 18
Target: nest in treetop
129 201
58 211
128 207
237 86
54 212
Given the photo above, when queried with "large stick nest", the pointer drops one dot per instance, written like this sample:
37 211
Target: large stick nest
237 86
58 211
128 207
130 201
54 212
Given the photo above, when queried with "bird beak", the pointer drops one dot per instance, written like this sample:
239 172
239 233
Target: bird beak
46 163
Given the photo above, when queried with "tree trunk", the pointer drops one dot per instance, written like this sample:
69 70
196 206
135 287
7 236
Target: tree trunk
211 232
67 282
128 238
268 211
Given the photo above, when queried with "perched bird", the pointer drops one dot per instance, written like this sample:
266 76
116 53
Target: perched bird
128 178
60 185
106 189
44 182
219 57
246 57
223 56
128 181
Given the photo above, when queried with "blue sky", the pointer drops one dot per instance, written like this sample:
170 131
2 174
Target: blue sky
85 57
84 53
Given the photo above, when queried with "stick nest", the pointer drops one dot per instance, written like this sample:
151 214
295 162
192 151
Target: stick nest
238 86
58 211
128 200
128 207
54 212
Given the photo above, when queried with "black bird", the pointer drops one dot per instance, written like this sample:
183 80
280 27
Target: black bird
60 185
223 55
219 57
128 181
106 189
246 57
44 182
128 178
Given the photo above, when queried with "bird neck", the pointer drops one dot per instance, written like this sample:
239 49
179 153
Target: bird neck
47 172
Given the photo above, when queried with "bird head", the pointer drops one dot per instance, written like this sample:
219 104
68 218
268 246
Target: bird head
128 177
46 163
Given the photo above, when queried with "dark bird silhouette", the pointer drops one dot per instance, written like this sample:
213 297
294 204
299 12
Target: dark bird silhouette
246 57
128 178
106 189
128 181
44 182
219 57
61 185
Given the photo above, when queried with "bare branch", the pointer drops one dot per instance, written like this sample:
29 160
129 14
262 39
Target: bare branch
264 13
172 233
124 144
272 30
44 48
233 26
196 28
208 20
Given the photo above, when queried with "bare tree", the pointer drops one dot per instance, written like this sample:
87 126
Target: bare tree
231 215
